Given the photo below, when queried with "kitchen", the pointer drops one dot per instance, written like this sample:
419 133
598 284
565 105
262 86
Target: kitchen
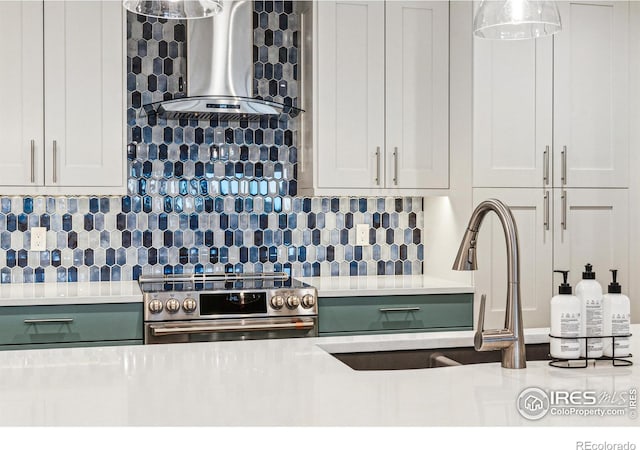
365 195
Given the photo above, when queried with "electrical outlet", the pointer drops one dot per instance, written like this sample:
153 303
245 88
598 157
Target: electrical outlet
362 234
38 238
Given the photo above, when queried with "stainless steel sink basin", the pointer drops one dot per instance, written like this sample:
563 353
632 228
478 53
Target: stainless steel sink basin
430 358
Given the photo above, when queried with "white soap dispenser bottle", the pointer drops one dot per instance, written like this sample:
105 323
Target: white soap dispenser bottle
589 291
616 319
566 310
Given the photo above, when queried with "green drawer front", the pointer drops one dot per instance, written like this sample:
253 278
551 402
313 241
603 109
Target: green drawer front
390 313
70 323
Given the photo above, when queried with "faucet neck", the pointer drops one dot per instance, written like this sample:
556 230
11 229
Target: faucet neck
513 348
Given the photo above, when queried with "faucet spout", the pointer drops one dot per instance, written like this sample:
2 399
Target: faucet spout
510 339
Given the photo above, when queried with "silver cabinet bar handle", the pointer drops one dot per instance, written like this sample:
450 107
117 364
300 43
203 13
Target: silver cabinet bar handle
404 309
52 320
55 161
564 165
33 161
564 210
162 331
303 60
546 210
395 165
545 177
378 166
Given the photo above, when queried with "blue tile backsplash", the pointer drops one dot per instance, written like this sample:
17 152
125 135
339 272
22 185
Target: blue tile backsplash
209 196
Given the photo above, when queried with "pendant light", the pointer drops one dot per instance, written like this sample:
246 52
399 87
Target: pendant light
516 19
174 9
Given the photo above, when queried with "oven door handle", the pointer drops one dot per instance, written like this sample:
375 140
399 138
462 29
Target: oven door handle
160 330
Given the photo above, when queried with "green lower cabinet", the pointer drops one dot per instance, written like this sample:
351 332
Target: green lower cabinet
394 314
23 327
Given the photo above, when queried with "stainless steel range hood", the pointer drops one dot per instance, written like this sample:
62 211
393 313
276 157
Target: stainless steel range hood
220 71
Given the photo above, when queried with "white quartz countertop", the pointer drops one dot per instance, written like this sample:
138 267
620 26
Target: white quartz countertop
282 382
27 294
385 285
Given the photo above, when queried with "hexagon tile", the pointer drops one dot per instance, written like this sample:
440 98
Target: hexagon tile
209 196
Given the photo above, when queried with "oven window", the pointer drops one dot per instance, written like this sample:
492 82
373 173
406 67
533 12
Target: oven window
233 303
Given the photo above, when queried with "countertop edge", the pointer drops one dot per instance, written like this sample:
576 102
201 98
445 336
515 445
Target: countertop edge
385 285
51 294
414 341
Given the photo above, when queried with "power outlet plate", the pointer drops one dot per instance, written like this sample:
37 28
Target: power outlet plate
38 239
362 234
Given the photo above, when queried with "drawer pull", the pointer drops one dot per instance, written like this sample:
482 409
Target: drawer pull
53 320
406 309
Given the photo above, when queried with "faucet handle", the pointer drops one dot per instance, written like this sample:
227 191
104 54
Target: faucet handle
487 340
483 301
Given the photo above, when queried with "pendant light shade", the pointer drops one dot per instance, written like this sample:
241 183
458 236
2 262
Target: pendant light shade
516 19
174 9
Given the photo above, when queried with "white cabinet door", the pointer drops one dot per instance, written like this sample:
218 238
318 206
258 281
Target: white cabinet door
532 212
512 112
350 94
21 87
592 226
417 94
591 89
84 88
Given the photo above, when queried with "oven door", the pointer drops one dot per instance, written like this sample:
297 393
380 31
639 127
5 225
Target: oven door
229 329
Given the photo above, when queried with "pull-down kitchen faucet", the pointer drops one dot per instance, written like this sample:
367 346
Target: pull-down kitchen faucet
511 339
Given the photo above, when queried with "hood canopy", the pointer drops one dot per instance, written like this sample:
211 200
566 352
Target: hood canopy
220 72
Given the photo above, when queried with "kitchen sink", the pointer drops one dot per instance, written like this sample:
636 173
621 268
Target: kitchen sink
431 358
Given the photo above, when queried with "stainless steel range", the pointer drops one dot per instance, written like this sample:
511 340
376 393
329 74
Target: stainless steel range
230 306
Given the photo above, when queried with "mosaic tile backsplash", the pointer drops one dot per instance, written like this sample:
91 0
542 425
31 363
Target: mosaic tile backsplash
209 196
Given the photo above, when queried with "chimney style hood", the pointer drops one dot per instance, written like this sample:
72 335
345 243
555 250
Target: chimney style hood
220 71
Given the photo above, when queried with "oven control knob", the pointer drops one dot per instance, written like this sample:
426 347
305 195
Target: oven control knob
293 301
155 306
173 305
189 304
308 301
277 301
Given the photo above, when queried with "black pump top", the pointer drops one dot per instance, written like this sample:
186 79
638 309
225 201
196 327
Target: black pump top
588 274
565 287
614 287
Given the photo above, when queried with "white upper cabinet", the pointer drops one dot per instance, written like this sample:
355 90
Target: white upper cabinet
591 83
417 94
84 111
21 93
381 103
72 55
554 111
350 106
512 120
